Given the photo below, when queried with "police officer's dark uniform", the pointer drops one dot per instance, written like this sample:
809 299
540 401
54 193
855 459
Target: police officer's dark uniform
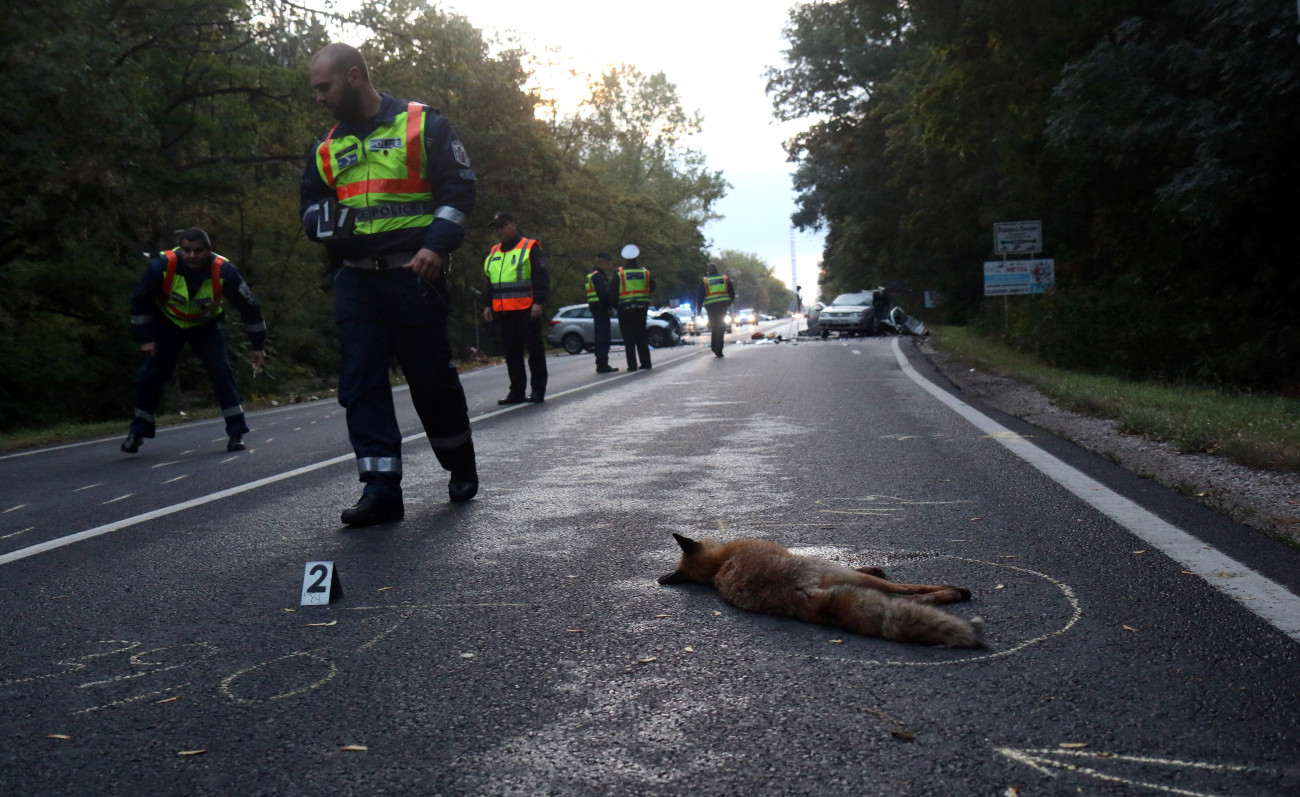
634 287
405 180
173 305
518 287
715 295
601 299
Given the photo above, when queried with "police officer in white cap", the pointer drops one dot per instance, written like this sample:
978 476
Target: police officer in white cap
634 287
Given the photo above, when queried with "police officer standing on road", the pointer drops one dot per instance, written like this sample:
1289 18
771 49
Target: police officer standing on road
715 295
178 301
601 300
634 287
519 285
388 192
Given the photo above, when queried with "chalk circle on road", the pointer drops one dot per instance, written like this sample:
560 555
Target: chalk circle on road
1023 587
304 670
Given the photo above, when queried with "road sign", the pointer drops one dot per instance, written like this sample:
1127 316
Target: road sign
1017 237
1015 277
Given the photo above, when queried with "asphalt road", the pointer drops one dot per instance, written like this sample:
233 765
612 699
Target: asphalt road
519 644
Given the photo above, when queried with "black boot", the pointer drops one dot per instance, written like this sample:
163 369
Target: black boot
373 509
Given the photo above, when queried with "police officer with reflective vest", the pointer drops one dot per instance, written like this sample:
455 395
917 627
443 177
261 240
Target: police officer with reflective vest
600 299
388 192
634 287
715 295
178 301
518 286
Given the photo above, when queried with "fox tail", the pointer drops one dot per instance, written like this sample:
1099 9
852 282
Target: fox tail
872 613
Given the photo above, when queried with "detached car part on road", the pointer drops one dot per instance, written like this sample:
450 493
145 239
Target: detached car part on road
574 330
866 313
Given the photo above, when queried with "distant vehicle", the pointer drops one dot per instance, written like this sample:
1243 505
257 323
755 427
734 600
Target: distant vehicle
744 317
685 320
702 323
574 330
865 313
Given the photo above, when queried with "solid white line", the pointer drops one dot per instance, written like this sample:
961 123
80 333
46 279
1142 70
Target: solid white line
1266 598
51 545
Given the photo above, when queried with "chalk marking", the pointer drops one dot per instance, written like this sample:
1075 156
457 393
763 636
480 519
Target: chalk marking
16 533
177 478
76 664
13 509
119 678
115 500
1269 600
165 464
124 701
88 486
1039 760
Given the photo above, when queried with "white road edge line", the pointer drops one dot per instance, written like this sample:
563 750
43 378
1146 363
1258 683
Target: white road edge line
118 525
1266 598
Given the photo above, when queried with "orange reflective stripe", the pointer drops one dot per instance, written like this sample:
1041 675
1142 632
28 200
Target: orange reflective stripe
414 120
170 276
217 260
326 161
402 186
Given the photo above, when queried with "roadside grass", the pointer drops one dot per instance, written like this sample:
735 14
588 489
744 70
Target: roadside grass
198 407
1255 430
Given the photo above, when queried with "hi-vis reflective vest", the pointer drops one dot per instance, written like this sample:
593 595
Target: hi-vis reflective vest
511 275
382 175
633 287
592 296
715 289
177 304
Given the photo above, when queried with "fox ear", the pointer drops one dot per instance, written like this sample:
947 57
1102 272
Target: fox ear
688 545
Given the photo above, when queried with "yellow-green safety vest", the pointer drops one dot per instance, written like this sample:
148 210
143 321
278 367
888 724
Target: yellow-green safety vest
592 296
382 175
633 287
715 289
177 304
511 275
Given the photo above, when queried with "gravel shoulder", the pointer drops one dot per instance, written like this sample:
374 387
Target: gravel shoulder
1268 501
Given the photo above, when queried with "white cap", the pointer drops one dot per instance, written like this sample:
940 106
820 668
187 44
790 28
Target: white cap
630 251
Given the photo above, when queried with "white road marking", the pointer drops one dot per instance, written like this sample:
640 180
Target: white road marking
13 508
176 479
16 533
88 486
165 464
118 525
1264 597
119 498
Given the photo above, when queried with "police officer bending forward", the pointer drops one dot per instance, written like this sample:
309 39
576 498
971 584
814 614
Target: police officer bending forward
178 301
388 192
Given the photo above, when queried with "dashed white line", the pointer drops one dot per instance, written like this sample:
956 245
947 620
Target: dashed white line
13 509
16 533
119 498
88 486
165 464
177 478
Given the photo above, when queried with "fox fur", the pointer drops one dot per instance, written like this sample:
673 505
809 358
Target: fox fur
761 576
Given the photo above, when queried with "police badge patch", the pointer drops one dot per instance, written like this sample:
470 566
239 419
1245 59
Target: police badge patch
458 152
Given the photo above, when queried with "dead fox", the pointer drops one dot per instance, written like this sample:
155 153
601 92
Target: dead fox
761 576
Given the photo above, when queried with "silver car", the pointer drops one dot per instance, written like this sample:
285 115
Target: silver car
573 329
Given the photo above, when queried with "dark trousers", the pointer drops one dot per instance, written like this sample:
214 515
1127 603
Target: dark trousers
717 326
600 323
631 322
393 314
209 344
520 332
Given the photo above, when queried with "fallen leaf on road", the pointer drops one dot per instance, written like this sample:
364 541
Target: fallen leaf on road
1129 628
1000 586
63 736
354 748
322 625
291 610
903 735
167 700
1188 573
689 649
575 630
1072 745
381 589
647 660
658 616
717 614
192 752
1144 550
837 641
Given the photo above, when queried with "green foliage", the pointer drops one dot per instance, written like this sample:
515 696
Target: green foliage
127 120
756 287
1154 141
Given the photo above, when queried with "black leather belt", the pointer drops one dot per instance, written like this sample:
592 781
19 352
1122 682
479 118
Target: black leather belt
381 262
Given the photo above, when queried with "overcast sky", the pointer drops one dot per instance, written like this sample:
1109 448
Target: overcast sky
716 52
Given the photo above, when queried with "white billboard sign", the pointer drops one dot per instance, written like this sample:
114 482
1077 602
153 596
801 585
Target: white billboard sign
1017 238
1016 277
